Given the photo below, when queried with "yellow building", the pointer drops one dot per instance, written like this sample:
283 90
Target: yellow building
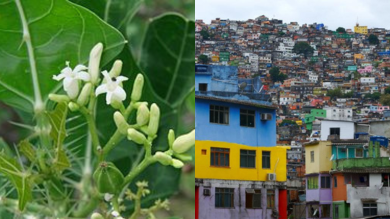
231 161
215 58
358 56
318 156
361 29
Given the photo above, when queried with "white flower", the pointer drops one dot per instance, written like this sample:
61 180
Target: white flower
112 87
71 77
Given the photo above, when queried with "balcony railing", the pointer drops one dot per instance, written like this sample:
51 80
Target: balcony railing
262 98
361 163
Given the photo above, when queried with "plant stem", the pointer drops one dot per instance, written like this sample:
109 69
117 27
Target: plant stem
137 208
115 203
141 167
92 128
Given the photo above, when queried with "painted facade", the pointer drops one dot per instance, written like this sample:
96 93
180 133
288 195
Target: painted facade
239 170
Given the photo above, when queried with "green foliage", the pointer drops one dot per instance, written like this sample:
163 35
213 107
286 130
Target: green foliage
341 30
387 90
385 100
62 31
203 59
69 33
288 122
335 93
276 75
303 48
373 96
205 34
281 33
373 39
13 171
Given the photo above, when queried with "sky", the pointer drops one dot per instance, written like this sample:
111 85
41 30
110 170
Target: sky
332 13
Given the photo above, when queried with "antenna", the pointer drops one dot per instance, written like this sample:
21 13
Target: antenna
380 186
315 212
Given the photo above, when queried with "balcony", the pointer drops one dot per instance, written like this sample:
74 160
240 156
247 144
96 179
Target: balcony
372 164
261 98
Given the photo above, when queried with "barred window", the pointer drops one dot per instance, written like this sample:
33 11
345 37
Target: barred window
248 158
224 198
219 114
253 198
247 118
219 157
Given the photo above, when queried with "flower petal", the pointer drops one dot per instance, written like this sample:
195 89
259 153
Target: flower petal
101 89
109 97
121 78
106 76
79 68
67 71
72 88
119 94
59 77
83 76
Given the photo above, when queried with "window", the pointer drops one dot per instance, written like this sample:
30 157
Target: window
325 211
248 158
335 131
359 152
219 157
270 199
312 182
369 209
325 182
224 198
202 87
335 181
312 156
253 198
247 118
219 114
266 159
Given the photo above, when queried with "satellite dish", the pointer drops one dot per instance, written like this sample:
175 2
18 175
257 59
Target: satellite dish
242 86
381 185
331 157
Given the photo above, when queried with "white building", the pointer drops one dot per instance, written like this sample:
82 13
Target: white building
367 80
336 113
344 129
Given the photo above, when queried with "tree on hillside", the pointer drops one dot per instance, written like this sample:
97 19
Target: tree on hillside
203 59
335 93
276 75
387 90
374 96
303 48
341 30
373 40
385 100
205 34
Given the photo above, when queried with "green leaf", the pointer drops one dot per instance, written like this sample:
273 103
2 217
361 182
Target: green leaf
54 31
57 119
168 55
27 150
118 13
12 170
61 162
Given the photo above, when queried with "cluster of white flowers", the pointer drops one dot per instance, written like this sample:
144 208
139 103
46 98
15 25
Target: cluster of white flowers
111 85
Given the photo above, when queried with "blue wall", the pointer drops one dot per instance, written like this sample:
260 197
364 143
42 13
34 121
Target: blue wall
202 79
263 134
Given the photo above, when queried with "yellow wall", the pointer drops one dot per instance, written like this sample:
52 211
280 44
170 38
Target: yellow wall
203 170
215 58
322 154
361 29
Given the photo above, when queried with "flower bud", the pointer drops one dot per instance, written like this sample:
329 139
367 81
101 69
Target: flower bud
116 104
135 136
138 104
137 88
96 216
177 163
183 157
84 94
184 143
73 106
59 98
94 62
142 115
171 137
116 69
121 123
154 120
163 158
108 178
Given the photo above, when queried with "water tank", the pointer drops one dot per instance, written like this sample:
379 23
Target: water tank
383 141
361 135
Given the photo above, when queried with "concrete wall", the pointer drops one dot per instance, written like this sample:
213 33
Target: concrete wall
356 194
263 134
322 154
207 208
375 179
202 79
321 195
347 129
